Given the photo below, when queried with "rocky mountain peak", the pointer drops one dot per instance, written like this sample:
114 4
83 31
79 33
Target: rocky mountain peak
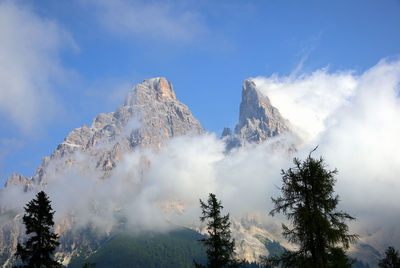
164 89
149 90
150 116
255 106
258 119
18 179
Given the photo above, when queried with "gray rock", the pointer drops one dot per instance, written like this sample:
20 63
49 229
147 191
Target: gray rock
20 181
226 132
150 116
258 119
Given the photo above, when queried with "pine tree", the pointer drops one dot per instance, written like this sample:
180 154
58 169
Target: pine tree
38 250
308 201
220 246
391 260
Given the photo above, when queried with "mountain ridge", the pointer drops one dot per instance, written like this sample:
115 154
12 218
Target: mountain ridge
139 122
258 119
150 116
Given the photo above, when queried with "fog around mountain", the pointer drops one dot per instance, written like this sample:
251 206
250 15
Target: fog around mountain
350 117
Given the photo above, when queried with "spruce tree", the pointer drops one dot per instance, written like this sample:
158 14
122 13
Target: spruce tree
318 228
38 250
391 260
219 244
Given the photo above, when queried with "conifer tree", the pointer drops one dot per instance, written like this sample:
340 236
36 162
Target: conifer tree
220 246
391 260
318 228
37 251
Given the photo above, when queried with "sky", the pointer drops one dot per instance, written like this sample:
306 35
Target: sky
332 68
64 62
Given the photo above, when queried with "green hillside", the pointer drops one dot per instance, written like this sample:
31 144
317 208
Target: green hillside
174 249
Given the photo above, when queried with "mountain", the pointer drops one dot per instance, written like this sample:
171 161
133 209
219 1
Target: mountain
150 116
258 121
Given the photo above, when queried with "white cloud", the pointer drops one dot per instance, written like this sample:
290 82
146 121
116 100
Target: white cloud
29 56
363 142
356 128
307 100
161 20
354 120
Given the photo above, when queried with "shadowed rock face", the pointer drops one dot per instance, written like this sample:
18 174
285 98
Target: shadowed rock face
258 119
149 117
18 179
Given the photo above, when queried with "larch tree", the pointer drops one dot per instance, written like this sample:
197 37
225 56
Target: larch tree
317 226
391 260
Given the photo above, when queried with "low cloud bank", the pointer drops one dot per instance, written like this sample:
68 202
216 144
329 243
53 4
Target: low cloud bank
353 119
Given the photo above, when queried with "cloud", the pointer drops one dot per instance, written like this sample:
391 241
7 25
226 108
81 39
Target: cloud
160 20
353 119
362 141
29 54
308 100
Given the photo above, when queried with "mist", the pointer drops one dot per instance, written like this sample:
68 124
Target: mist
353 118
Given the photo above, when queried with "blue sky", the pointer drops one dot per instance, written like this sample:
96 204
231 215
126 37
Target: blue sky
63 62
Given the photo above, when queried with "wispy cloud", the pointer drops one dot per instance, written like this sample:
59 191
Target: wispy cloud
165 20
308 100
29 56
353 119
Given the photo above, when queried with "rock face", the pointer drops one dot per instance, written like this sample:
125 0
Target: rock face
150 116
19 180
258 119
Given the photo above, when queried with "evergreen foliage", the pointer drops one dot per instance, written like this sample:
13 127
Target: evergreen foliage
38 250
220 246
274 248
391 260
308 201
175 249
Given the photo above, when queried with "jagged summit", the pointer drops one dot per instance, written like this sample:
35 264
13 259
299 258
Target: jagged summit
258 119
149 90
149 117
